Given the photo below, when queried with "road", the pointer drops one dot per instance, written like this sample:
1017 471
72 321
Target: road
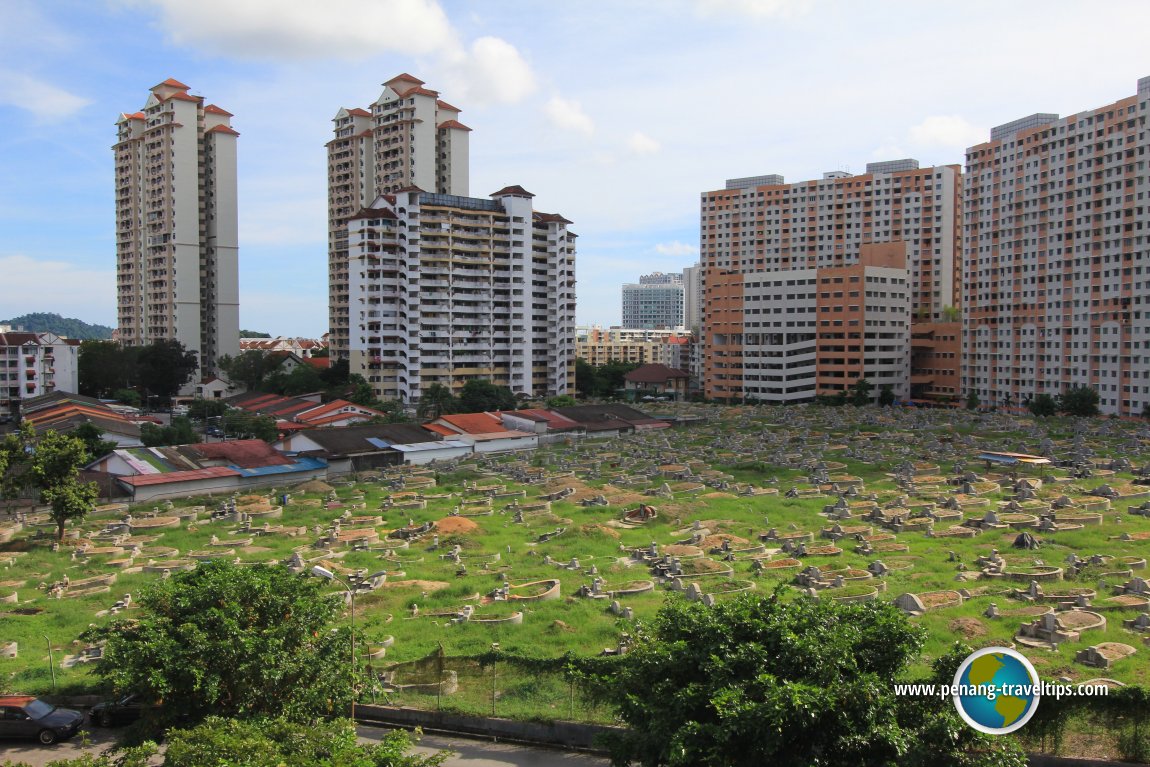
466 752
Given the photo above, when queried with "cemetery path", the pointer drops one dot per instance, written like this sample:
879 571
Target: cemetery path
483 753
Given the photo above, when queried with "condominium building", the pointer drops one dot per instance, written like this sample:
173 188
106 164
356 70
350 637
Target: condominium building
407 138
656 301
32 364
598 346
693 297
177 243
759 230
445 289
1057 267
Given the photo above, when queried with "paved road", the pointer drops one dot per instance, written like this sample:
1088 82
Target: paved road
466 752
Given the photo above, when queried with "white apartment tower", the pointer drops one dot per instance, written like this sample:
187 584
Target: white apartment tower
445 288
1057 257
408 138
655 302
177 242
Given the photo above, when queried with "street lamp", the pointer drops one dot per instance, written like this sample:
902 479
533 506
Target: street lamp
323 572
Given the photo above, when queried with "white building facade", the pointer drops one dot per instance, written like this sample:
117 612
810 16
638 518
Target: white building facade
32 364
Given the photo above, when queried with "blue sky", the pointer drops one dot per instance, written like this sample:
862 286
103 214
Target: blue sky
615 113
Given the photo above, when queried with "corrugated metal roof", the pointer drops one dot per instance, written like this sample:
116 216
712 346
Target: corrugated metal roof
179 476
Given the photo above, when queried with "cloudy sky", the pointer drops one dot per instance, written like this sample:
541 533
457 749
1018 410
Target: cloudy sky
615 113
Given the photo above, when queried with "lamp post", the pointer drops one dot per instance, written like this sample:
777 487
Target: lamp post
494 673
323 572
51 663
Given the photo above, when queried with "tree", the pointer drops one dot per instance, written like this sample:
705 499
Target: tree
288 744
165 366
586 378
437 400
561 400
860 392
203 409
93 438
303 379
479 395
1080 401
254 334
972 401
50 465
105 367
247 368
129 397
180 432
336 374
234 641
245 425
886 396
758 680
1042 405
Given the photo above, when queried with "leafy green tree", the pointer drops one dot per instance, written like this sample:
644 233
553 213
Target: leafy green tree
203 409
303 379
283 743
245 425
972 400
360 392
1042 405
129 397
68 327
610 376
49 464
437 400
1080 401
860 392
106 367
165 366
180 432
247 368
235 641
756 680
586 378
479 395
254 334
886 396
336 374
93 439
562 400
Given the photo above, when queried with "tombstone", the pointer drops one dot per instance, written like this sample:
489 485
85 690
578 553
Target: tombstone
694 592
910 603
877 568
991 611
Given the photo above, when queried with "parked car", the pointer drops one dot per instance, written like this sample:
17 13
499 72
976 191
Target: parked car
214 431
25 716
117 711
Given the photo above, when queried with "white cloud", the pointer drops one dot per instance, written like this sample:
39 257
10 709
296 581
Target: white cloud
784 9
641 143
676 248
951 131
492 71
41 98
347 29
568 115
31 285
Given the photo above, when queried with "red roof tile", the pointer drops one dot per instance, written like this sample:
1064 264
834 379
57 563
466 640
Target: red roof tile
223 129
453 124
440 429
172 82
245 453
444 105
474 423
181 96
512 191
550 218
212 109
404 77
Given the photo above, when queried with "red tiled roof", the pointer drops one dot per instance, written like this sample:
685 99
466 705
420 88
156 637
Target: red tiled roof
245 453
555 422
440 429
445 105
319 363
512 191
133 116
212 109
474 423
181 96
223 129
373 213
172 82
357 112
654 374
550 218
453 124
419 92
404 77
179 476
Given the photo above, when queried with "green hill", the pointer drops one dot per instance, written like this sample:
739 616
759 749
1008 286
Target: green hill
41 322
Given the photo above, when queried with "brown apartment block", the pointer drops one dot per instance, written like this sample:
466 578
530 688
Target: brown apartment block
408 138
786 314
1056 262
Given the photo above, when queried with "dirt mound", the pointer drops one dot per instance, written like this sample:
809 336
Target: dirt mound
425 585
968 627
718 495
314 486
449 525
716 541
598 530
681 550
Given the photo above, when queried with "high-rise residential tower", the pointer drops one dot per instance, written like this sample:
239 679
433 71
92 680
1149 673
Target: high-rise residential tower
177 242
408 138
1056 257
787 316
655 302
